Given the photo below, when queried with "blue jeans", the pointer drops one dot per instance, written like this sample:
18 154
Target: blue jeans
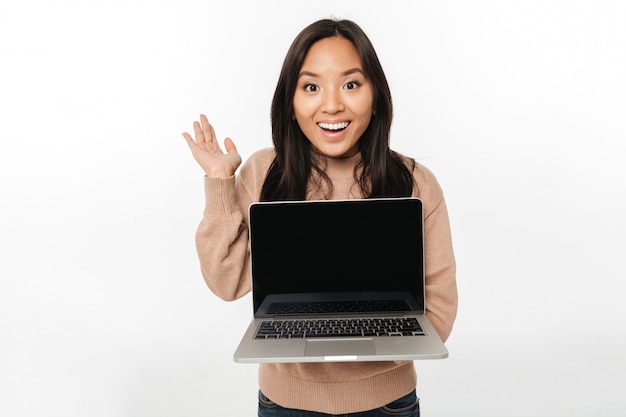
407 406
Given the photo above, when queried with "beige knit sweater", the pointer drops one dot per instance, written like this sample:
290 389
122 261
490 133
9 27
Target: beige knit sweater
333 388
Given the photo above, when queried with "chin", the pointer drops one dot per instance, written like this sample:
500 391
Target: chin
338 155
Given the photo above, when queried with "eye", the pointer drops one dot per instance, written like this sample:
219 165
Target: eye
311 88
351 85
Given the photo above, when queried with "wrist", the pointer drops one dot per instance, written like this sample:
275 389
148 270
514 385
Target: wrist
221 173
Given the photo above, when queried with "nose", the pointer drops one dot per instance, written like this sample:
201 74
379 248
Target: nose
332 102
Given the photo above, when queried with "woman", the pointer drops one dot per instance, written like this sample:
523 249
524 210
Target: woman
331 119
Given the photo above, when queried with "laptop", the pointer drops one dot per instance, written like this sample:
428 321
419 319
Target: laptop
338 281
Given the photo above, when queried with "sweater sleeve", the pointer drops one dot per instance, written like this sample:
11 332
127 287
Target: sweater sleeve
222 235
222 240
440 265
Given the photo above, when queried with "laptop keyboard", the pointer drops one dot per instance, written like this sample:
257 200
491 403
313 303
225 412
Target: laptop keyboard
358 327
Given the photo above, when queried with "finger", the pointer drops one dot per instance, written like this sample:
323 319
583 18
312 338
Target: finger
192 143
229 145
187 137
212 134
198 132
207 129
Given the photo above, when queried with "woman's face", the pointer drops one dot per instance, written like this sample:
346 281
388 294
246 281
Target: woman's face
333 102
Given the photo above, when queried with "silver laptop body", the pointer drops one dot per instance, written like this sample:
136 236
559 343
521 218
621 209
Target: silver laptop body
337 281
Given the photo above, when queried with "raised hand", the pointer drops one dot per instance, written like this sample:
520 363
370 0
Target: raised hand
207 152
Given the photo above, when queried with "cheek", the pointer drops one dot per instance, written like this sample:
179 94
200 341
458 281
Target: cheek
303 106
363 107
364 113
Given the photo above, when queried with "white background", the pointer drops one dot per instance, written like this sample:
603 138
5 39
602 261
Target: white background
517 106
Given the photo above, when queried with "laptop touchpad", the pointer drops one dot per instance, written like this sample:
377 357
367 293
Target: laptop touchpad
321 347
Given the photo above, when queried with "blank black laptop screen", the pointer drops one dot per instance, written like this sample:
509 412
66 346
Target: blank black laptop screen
337 247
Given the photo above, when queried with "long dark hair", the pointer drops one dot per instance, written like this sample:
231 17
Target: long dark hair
380 173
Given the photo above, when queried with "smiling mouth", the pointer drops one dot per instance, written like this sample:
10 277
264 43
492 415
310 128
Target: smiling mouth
334 127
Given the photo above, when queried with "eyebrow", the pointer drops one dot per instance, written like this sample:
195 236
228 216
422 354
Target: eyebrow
343 74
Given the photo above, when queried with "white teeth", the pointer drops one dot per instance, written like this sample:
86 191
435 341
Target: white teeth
333 126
